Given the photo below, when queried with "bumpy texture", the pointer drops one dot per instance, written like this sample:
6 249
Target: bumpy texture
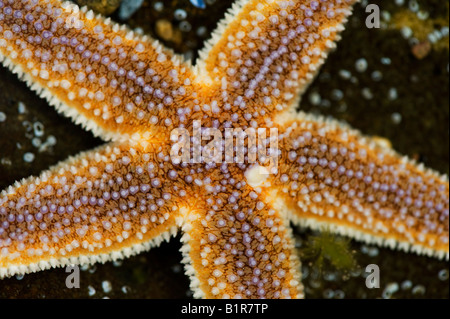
129 195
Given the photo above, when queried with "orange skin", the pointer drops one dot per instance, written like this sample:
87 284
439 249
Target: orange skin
128 195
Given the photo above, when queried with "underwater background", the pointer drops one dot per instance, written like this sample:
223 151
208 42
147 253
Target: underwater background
391 82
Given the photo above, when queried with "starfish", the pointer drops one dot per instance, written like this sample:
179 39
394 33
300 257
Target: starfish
132 193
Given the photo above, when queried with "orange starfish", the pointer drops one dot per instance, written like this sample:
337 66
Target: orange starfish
132 193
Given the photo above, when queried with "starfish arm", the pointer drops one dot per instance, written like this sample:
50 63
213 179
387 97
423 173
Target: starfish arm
330 176
105 204
103 76
237 245
265 53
